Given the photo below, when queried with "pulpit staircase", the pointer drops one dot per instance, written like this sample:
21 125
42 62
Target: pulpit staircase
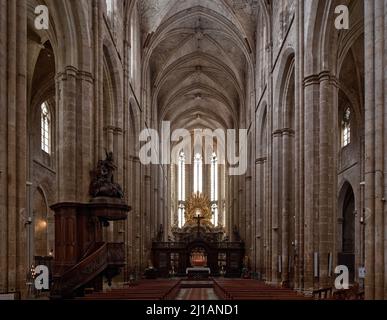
102 260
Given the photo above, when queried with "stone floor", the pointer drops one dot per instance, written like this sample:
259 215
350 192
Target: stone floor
197 294
197 284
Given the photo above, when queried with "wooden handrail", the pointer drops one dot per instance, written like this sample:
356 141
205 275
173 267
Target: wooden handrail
89 268
82 272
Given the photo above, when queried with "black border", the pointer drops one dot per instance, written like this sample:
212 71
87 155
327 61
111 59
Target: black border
137 309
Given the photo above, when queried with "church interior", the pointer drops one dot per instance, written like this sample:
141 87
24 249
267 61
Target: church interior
108 190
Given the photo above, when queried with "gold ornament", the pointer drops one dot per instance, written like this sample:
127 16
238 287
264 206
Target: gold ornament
198 205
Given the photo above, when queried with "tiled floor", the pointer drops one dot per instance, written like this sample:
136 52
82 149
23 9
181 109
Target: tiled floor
197 294
197 284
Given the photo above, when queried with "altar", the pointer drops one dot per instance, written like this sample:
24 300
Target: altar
199 250
198 273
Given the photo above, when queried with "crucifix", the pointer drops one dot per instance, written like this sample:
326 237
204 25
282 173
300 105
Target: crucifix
198 218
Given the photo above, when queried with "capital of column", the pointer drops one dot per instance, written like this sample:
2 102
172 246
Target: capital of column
261 161
114 130
283 132
71 71
317 78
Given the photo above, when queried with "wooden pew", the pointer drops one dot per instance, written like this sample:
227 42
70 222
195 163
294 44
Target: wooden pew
145 290
253 290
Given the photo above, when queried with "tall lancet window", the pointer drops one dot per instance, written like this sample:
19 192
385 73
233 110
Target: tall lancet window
346 128
198 173
109 7
214 189
45 128
181 190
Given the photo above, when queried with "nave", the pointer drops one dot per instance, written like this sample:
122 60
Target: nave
102 179
214 289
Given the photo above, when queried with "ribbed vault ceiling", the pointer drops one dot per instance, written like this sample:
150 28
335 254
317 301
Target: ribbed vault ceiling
198 53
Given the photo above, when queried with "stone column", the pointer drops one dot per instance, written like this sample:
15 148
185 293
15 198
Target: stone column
310 137
236 208
3 145
74 118
275 230
13 135
269 175
299 144
259 219
242 206
156 213
167 197
138 216
286 189
248 212
251 200
327 170
118 149
222 196
146 211
98 132
376 157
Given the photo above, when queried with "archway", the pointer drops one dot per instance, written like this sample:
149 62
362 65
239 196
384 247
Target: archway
348 233
42 246
346 255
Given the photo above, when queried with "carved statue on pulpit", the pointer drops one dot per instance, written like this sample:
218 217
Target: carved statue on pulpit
102 180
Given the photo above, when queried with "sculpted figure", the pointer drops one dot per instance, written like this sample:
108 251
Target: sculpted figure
102 180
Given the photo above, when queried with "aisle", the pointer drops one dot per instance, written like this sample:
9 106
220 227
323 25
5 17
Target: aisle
197 294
